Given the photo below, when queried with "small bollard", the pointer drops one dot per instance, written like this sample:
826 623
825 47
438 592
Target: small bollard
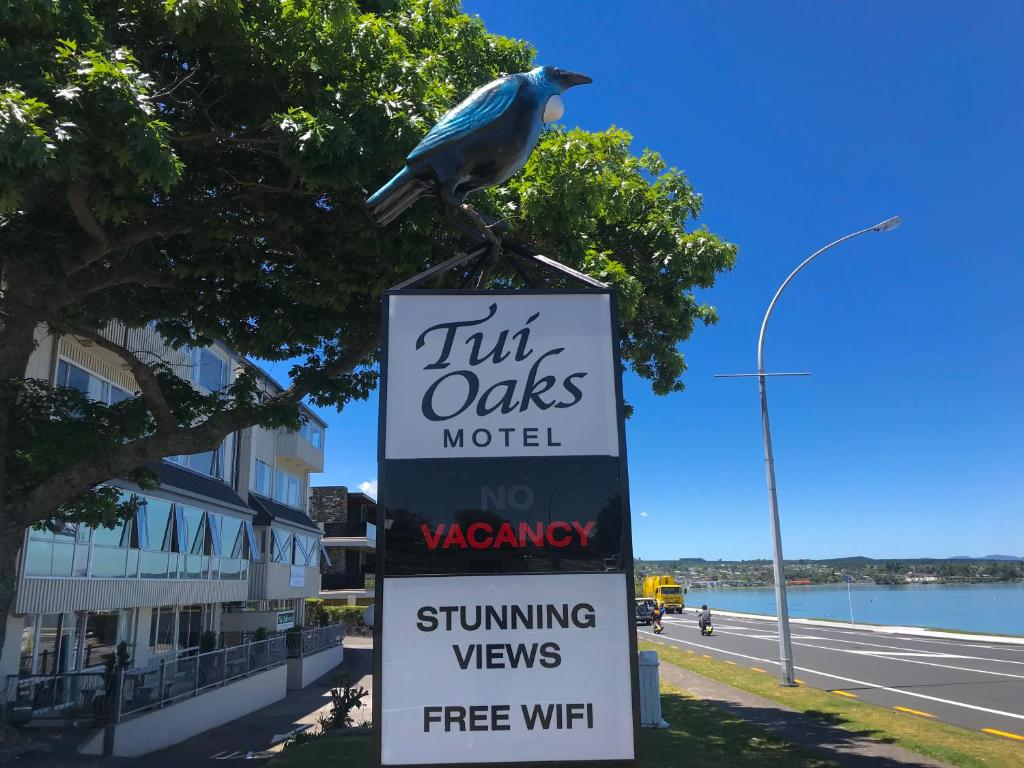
650 691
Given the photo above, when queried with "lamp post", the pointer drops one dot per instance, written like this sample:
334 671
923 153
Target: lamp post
786 676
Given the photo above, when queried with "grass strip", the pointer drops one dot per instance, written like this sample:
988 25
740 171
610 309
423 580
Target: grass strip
948 743
700 736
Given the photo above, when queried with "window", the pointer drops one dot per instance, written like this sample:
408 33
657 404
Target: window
209 463
118 536
307 550
254 547
155 516
287 488
191 529
118 395
161 630
232 537
55 650
95 388
209 371
70 375
280 546
312 433
262 477
300 553
100 637
51 554
190 626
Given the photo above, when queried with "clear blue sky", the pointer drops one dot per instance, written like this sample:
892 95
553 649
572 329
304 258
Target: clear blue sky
801 122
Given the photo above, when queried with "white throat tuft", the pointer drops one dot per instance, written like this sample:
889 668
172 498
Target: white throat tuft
554 109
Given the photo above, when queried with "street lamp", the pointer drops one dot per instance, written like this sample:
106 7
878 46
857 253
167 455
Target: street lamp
785 646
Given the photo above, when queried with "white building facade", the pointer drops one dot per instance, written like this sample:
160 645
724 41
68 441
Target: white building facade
223 545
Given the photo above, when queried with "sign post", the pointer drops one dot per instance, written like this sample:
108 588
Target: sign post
505 630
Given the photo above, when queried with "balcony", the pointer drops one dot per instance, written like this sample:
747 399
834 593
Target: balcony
350 535
277 581
298 455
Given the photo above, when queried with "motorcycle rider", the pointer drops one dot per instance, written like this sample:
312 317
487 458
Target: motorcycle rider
704 617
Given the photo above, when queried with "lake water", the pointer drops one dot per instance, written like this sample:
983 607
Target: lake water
995 608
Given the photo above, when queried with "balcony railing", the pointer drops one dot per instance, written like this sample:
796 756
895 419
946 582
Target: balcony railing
346 580
310 641
350 529
112 696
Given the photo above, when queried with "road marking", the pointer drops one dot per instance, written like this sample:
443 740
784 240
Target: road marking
1004 734
729 662
706 656
910 711
1009 648
901 657
798 680
278 737
758 669
845 693
877 686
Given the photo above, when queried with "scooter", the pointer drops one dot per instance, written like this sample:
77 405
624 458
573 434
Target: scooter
706 630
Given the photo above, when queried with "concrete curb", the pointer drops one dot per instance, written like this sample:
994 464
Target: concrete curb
880 628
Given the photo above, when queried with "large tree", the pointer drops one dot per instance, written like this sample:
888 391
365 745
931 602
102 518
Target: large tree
202 164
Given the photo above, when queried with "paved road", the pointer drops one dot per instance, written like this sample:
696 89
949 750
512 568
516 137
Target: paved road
978 685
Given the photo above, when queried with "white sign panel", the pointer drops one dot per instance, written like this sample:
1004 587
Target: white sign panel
500 375
506 668
297 577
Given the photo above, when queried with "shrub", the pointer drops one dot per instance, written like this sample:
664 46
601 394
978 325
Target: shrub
316 614
349 615
260 634
208 641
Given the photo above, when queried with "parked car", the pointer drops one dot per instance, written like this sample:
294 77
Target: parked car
644 607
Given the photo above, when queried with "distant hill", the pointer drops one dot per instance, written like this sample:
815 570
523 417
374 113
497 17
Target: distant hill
837 562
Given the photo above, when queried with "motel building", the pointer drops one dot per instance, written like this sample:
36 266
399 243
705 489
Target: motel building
201 586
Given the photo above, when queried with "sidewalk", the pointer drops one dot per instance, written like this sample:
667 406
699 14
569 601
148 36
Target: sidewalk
259 736
844 747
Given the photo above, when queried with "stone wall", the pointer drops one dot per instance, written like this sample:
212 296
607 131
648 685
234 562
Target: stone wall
329 504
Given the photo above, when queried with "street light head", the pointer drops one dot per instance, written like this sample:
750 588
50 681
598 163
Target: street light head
888 224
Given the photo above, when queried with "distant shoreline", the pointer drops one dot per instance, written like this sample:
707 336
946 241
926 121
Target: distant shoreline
945 583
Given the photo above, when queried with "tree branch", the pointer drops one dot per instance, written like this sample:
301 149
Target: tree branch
111 278
65 486
91 254
78 200
148 383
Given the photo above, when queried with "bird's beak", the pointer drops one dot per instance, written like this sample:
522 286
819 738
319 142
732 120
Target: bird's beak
575 78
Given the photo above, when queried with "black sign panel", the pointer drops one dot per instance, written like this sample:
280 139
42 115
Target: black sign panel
504 516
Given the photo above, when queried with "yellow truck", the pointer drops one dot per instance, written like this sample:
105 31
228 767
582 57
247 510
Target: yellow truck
666 591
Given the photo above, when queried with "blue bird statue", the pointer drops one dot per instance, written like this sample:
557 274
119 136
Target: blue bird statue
480 143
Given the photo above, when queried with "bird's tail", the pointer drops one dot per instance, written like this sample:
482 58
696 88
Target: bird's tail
388 202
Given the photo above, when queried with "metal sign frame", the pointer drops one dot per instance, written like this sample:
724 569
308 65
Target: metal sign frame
592 287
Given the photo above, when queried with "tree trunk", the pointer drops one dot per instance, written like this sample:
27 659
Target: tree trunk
9 543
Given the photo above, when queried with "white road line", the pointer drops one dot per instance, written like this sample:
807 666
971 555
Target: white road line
869 654
883 645
852 680
845 630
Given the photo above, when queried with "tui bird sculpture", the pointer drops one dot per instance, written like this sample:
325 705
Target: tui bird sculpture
480 143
